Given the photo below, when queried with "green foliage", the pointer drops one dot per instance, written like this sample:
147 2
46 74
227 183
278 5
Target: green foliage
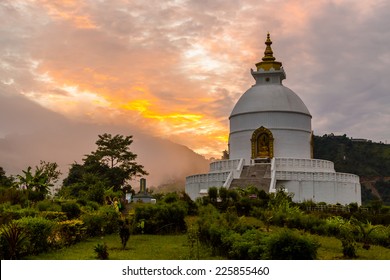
171 197
12 241
124 231
343 230
247 246
72 209
13 195
89 187
366 159
111 166
94 223
383 187
69 232
161 218
53 215
48 205
38 231
102 251
103 221
289 245
14 212
213 194
193 242
228 235
5 181
38 183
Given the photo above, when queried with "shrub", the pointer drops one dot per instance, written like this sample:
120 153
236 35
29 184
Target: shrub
100 222
69 232
47 205
53 215
93 205
288 245
124 232
248 246
12 241
161 218
101 251
13 196
72 209
15 212
94 223
349 247
38 231
111 216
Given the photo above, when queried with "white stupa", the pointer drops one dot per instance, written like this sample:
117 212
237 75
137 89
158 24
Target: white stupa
270 146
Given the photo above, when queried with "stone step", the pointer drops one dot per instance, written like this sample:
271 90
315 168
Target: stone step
256 171
258 175
260 184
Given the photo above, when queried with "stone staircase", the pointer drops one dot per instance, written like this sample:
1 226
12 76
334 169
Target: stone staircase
258 175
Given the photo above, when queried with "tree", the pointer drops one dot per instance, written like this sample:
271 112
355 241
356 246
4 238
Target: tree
112 163
38 183
213 194
5 181
114 158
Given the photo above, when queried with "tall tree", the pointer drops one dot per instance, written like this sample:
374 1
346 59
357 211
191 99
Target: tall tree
112 162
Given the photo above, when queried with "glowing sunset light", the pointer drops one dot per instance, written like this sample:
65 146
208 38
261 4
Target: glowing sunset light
176 72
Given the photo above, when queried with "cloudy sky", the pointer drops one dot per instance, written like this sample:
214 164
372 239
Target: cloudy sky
174 69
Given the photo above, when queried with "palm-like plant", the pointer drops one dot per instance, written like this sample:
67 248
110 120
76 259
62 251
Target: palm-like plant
15 239
365 230
39 181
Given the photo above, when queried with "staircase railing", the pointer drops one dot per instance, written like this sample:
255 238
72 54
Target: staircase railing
228 180
272 185
239 168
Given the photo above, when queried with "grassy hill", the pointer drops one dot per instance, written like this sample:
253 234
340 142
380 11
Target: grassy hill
369 160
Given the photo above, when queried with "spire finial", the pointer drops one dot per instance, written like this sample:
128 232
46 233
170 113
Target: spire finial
268 53
268 61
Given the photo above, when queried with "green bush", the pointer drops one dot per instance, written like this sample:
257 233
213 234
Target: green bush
160 218
103 221
93 205
111 217
69 232
15 212
102 251
94 223
39 232
124 231
12 241
47 205
13 196
53 215
72 209
248 246
288 245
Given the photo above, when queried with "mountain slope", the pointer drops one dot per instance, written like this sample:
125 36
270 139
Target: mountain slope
30 133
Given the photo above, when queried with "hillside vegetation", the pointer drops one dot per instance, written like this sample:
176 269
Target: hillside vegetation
369 160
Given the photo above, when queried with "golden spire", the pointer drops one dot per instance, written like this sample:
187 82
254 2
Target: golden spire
268 61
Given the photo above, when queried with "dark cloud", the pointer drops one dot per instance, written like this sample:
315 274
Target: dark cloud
176 71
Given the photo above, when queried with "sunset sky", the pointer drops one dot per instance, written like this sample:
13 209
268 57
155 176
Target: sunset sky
175 69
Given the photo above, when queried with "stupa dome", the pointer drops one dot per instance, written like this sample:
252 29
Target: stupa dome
269 97
270 108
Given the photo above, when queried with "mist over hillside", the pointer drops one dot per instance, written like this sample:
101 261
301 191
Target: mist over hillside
30 133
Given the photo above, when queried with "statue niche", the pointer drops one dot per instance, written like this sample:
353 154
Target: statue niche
262 143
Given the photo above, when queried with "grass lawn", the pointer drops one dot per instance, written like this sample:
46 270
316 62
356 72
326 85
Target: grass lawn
139 247
175 247
331 249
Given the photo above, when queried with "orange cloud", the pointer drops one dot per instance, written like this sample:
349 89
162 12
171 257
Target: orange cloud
68 10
